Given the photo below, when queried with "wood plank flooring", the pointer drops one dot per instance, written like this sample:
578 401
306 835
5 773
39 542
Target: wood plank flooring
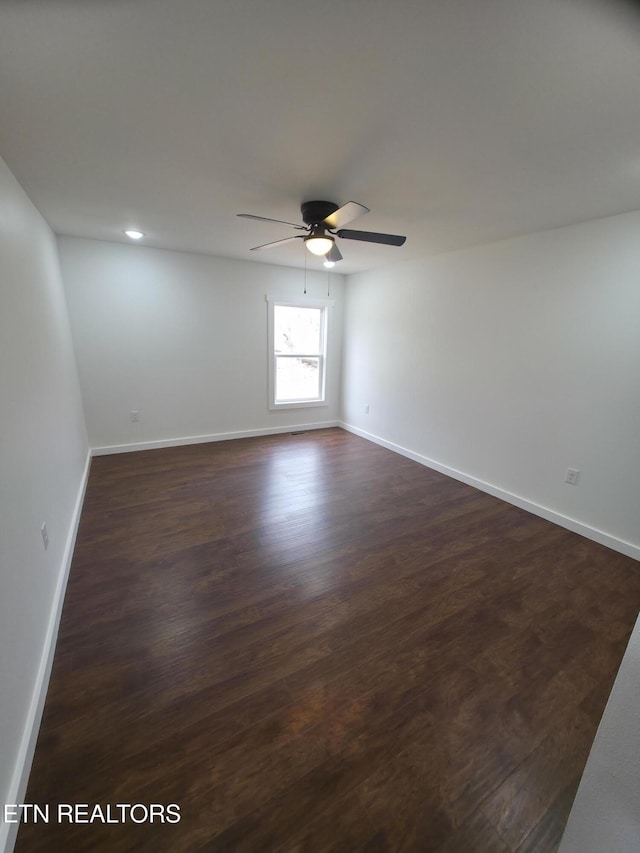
310 643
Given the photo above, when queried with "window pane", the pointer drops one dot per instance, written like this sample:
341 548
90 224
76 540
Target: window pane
297 378
297 329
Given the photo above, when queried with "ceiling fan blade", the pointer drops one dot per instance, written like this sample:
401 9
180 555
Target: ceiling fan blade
372 237
267 219
347 213
278 242
334 254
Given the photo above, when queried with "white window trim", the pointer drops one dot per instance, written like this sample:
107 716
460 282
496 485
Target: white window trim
305 302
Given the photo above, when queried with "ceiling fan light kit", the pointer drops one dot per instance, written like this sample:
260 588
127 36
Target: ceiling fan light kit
321 219
318 243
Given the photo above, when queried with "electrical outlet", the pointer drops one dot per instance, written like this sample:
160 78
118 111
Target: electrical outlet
45 536
135 416
572 476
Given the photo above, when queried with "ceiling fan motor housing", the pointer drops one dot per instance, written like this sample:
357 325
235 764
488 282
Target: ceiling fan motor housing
313 212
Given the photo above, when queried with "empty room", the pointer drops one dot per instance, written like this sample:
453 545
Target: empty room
320 418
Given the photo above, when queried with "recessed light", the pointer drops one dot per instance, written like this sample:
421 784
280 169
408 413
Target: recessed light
135 235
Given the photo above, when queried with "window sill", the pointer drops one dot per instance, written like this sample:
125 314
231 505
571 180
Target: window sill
297 404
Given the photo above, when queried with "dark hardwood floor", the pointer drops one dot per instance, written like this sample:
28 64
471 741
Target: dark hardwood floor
310 643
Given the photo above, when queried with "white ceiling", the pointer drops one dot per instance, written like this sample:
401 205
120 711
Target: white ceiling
457 122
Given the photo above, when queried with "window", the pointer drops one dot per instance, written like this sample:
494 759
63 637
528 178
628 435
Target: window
297 353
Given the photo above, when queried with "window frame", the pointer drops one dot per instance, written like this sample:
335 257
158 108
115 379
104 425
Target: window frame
325 305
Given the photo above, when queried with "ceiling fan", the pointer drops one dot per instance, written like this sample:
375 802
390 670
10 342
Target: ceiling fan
323 221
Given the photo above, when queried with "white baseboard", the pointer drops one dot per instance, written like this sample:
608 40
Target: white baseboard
202 439
620 545
20 778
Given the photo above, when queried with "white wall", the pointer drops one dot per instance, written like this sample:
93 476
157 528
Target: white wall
181 338
510 363
43 459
